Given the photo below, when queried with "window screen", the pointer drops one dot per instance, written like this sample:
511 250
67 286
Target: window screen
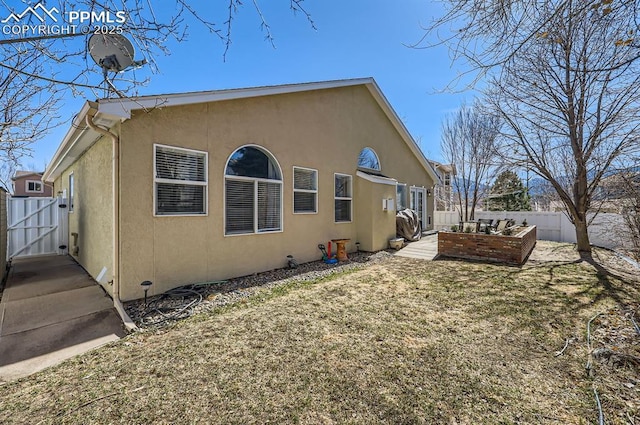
342 204
305 190
253 193
180 181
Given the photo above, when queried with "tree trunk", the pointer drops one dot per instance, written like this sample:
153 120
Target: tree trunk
582 236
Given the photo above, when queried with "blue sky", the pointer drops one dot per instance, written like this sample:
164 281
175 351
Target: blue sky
355 38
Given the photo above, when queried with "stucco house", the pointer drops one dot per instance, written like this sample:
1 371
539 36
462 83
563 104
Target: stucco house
30 184
193 187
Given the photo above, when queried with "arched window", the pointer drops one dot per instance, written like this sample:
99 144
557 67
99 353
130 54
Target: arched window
253 192
368 159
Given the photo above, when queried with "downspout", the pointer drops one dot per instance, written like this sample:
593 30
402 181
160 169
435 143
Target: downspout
115 185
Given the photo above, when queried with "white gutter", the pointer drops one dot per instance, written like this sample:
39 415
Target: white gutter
115 186
67 142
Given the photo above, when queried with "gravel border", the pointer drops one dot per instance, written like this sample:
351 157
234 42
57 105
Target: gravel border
163 310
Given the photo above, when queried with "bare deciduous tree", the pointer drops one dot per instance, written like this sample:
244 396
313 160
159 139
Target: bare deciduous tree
468 143
565 78
28 105
36 70
570 99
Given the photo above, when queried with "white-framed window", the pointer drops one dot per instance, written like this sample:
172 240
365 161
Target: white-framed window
72 192
401 196
180 181
34 186
305 190
368 159
447 179
343 196
253 192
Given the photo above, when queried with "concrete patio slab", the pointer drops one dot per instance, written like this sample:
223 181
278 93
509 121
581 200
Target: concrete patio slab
45 310
51 310
61 274
24 353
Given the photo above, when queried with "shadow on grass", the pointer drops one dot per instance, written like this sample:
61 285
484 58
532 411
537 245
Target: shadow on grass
625 291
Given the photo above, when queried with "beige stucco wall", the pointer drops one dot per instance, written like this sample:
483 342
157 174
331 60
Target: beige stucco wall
91 218
324 130
374 225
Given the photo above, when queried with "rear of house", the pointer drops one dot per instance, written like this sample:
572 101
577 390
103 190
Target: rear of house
204 186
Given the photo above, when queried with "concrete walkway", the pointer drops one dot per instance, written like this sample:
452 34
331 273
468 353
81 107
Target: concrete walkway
424 249
51 310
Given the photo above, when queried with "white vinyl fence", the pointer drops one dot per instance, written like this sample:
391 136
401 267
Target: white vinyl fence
607 230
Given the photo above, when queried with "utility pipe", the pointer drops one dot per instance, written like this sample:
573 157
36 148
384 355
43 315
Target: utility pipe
115 182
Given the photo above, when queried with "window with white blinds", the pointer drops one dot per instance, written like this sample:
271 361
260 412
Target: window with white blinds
343 197
253 192
180 181
305 190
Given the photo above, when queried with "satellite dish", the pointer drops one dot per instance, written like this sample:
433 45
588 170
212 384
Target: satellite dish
112 52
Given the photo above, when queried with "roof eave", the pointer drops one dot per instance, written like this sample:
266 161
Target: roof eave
123 107
79 139
402 130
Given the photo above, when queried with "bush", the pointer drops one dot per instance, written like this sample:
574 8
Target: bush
454 228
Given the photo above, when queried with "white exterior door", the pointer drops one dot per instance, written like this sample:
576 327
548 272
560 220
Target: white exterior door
36 226
419 204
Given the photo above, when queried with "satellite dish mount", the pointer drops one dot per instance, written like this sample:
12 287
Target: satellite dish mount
112 52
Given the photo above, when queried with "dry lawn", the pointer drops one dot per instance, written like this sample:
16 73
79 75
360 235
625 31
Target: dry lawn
401 342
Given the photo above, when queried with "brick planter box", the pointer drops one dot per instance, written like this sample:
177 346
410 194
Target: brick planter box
513 249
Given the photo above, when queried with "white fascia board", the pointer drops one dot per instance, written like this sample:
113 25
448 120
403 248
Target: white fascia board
122 107
79 139
76 129
400 127
377 179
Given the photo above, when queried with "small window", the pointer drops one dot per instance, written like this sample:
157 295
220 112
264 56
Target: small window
34 186
71 191
180 181
342 198
253 192
401 196
305 190
368 159
447 179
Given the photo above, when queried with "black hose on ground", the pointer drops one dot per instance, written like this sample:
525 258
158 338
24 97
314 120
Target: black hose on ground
175 304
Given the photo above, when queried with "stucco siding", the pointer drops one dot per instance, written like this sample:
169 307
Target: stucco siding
323 130
91 218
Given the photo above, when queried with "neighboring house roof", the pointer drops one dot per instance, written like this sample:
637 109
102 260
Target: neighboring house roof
23 174
445 168
107 112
